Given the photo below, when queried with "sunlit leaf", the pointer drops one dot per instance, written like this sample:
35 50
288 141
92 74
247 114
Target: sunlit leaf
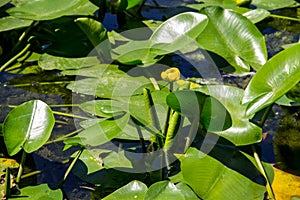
28 126
102 108
273 80
49 62
98 70
3 2
101 132
217 38
87 8
44 9
242 131
163 190
111 86
10 23
274 4
221 3
210 179
132 3
134 53
97 159
133 190
167 190
177 32
256 15
39 192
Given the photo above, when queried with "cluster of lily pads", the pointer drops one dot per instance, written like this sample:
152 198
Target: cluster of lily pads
172 119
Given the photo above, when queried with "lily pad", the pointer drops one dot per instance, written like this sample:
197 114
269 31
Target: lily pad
10 23
40 192
280 74
28 127
218 39
44 9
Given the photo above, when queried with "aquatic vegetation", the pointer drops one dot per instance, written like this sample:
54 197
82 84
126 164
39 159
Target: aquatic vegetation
192 137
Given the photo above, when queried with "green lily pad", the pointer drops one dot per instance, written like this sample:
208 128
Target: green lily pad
28 127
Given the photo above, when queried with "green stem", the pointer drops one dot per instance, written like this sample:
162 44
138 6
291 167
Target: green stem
64 137
70 168
138 128
24 34
22 163
16 66
263 172
193 129
257 159
265 116
70 115
284 17
15 57
7 183
30 174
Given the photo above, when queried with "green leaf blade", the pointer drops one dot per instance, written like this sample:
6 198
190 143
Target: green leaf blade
224 34
192 104
177 32
97 35
133 190
10 23
44 9
28 126
273 80
210 179
40 192
242 131
49 62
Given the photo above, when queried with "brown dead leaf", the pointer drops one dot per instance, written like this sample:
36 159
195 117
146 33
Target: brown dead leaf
285 185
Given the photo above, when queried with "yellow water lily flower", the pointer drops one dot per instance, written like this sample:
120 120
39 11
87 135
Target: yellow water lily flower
171 75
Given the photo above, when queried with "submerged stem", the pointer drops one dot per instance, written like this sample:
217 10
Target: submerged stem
41 83
70 168
7 183
257 159
263 172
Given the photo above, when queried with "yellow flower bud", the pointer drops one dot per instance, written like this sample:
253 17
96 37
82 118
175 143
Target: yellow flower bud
194 85
242 2
170 75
